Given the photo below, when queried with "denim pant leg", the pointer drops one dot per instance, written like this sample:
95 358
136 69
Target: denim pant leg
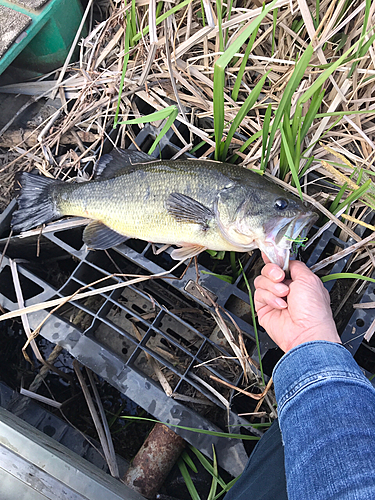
264 475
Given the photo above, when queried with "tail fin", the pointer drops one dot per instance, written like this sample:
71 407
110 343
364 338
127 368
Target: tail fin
35 203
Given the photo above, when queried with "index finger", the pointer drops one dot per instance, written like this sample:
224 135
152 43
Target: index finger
273 272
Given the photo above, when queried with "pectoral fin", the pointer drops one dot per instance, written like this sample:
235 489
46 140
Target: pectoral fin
98 236
187 252
186 209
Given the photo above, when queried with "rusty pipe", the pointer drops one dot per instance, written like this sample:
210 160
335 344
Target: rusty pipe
154 461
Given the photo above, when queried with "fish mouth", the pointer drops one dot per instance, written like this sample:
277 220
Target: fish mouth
279 240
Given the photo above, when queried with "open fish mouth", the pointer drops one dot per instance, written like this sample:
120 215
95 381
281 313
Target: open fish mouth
278 242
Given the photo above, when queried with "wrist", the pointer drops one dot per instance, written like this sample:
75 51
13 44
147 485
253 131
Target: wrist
311 335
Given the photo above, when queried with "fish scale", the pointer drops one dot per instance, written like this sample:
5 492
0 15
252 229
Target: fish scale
126 212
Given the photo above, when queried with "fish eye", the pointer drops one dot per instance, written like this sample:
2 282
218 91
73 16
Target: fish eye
281 204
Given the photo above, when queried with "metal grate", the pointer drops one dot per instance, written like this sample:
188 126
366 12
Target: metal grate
174 326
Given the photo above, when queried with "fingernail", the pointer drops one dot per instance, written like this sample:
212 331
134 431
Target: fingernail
281 303
281 288
276 273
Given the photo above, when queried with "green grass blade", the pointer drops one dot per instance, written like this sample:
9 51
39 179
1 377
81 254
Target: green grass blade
160 19
219 8
223 277
225 58
367 45
229 10
159 7
287 129
338 276
338 197
326 74
283 161
297 156
203 15
344 9
254 321
256 426
165 129
152 117
265 130
246 144
213 470
360 175
296 121
297 25
364 29
250 140
233 265
170 112
275 12
133 19
214 483
316 101
188 460
219 77
317 7
306 167
198 146
322 78
291 87
207 465
324 134
243 111
124 67
188 481
217 254
198 431
286 133
363 170
291 165
354 196
219 84
228 14
245 58
339 39
228 487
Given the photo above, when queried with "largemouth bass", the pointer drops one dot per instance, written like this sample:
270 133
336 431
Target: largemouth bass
194 204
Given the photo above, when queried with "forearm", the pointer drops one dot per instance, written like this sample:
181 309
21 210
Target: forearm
327 419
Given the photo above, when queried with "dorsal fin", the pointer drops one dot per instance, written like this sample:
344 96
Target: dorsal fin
112 163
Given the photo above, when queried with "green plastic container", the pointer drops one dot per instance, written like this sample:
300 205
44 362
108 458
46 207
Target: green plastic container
45 43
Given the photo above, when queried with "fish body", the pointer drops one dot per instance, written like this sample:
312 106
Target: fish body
195 204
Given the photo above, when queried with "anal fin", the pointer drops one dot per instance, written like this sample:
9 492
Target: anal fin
98 236
187 252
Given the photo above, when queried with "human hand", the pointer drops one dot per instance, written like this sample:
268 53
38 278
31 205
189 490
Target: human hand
296 310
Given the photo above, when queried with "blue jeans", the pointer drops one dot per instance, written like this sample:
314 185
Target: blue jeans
327 420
